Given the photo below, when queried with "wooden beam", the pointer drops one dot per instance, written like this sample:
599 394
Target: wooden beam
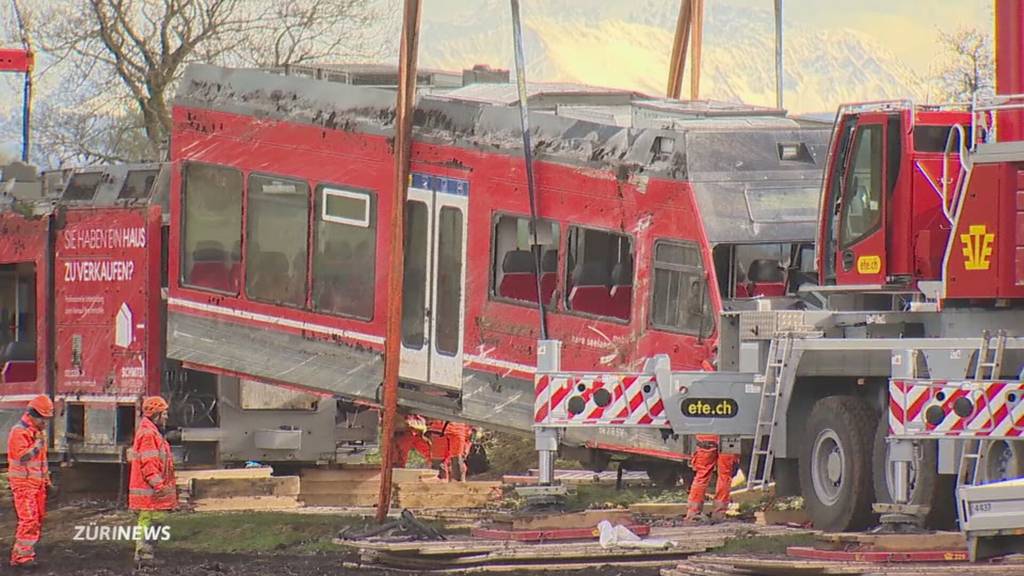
678 60
392 344
697 34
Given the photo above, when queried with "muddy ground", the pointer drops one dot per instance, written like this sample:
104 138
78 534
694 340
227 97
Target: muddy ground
208 544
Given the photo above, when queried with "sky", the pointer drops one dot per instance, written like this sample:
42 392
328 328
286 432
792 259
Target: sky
906 28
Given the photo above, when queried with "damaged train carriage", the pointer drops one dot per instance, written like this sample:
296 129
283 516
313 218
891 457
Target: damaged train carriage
280 186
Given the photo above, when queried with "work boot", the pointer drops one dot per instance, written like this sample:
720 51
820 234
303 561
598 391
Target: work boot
694 517
718 513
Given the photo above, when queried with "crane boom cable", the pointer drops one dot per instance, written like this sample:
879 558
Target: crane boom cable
517 36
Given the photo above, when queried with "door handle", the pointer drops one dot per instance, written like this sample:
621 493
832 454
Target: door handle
847 260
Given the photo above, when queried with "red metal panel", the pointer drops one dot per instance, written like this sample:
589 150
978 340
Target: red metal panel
15 60
25 240
107 326
972 262
1009 72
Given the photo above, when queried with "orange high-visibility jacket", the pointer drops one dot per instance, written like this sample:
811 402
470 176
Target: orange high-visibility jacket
26 454
152 469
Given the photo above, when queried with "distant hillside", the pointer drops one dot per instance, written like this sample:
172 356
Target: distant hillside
627 46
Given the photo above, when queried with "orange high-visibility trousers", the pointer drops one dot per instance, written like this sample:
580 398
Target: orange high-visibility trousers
30 505
704 462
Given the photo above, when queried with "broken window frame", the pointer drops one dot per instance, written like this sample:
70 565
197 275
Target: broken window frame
571 231
497 258
689 272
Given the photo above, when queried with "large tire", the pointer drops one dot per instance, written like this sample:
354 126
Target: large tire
835 464
1001 460
663 474
927 486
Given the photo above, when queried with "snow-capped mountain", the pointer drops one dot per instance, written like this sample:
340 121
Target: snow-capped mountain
627 44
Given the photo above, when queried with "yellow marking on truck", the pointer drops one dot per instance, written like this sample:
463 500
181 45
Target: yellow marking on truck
977 247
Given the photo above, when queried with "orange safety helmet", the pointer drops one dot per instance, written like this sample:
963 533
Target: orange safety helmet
154 405
42 405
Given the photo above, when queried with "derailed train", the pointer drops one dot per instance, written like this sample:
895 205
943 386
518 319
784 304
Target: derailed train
265 229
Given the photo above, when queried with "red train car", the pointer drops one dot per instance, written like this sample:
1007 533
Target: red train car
80 303
279 186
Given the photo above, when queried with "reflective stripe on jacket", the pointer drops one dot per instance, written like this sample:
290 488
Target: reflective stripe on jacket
26 454
152 468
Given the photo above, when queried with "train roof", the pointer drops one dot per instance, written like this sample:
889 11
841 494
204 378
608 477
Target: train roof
756 172
102 185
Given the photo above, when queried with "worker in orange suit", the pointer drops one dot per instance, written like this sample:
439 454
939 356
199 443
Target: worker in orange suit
704 461
409 437
151 485
29 477
439 452
458 444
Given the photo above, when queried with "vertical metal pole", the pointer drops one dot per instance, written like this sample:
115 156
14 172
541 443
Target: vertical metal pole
901 452
403 142
678 60
1009 66
26 117
26 109
697 41
524 119
778 54
549 359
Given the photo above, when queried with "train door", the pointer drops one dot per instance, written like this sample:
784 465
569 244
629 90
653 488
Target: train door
435 280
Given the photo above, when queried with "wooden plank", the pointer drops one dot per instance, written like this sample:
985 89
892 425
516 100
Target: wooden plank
659 509
546 535
767 517
255 503
331 487
901 542
369 474
339 499
222 473
243 487
586 519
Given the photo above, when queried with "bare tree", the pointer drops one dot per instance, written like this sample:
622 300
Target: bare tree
969 68
120 60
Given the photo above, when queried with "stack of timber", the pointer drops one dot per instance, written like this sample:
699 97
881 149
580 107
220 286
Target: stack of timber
713 565
580 477
490 556
867 554
238 489
419 489
555 526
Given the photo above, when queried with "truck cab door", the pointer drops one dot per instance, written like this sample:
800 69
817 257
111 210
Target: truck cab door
858 237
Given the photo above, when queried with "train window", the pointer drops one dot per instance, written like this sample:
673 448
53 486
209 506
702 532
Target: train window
751 270
212 198
515 262
600 273
83 186
415 270
277 228
344 252
346 207
17 322
862 198
137 184
680 301
449 280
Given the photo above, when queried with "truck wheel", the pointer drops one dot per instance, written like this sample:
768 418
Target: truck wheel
663 475
927 486
835 464
1001 460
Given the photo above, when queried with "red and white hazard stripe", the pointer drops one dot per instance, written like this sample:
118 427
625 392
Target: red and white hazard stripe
990 409
631 400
